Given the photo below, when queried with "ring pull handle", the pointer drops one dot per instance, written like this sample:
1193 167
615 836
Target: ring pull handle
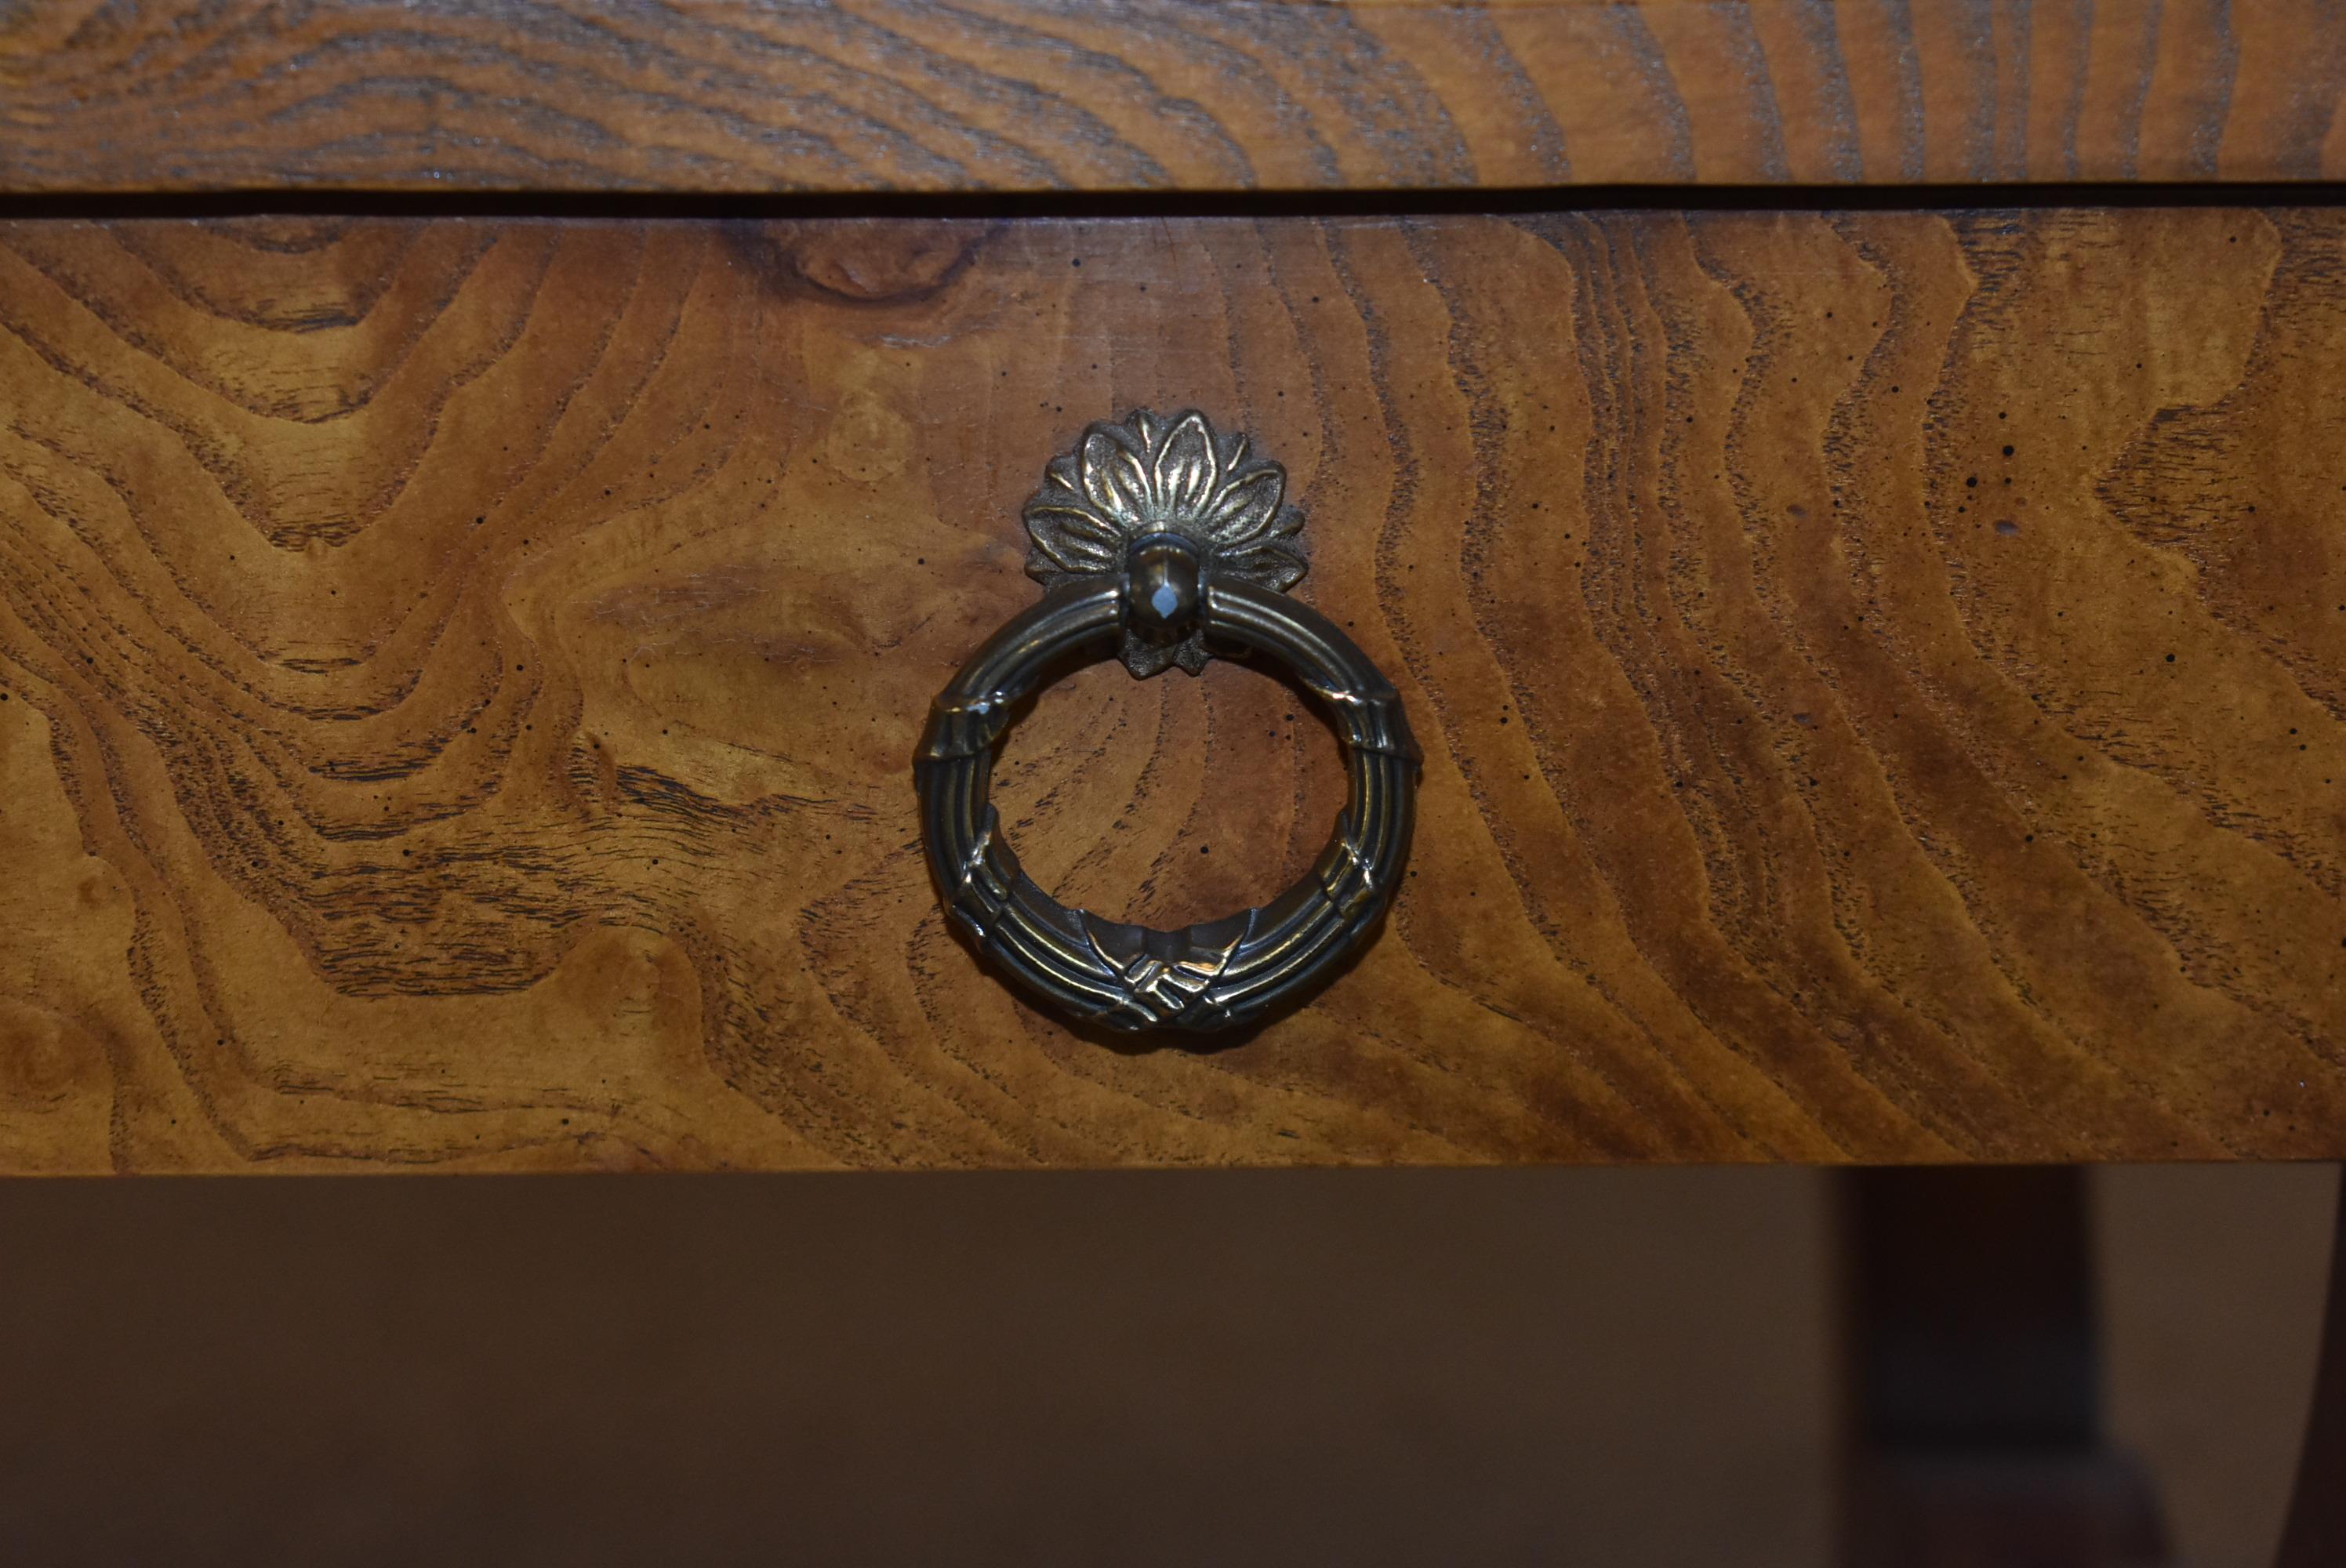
1168 542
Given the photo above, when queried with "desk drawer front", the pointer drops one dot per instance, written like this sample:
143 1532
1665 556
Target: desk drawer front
1880 678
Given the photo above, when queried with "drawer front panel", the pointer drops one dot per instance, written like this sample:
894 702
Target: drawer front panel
1880 678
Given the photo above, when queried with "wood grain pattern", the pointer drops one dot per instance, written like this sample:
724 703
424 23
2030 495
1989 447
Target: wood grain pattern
1882 678
1195 95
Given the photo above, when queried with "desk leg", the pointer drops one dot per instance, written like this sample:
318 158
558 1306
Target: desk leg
2316 1535
1975 1379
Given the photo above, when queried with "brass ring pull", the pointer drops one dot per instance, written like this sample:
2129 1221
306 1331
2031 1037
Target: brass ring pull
1175 541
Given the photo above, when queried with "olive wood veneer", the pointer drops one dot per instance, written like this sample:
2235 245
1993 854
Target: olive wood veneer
1883 680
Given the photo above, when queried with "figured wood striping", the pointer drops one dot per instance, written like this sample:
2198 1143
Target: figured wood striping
1882 679
1194 95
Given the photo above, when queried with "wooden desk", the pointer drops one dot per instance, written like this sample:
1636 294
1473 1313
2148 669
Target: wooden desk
486 501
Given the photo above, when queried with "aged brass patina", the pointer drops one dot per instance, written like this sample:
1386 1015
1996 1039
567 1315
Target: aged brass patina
1172 544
